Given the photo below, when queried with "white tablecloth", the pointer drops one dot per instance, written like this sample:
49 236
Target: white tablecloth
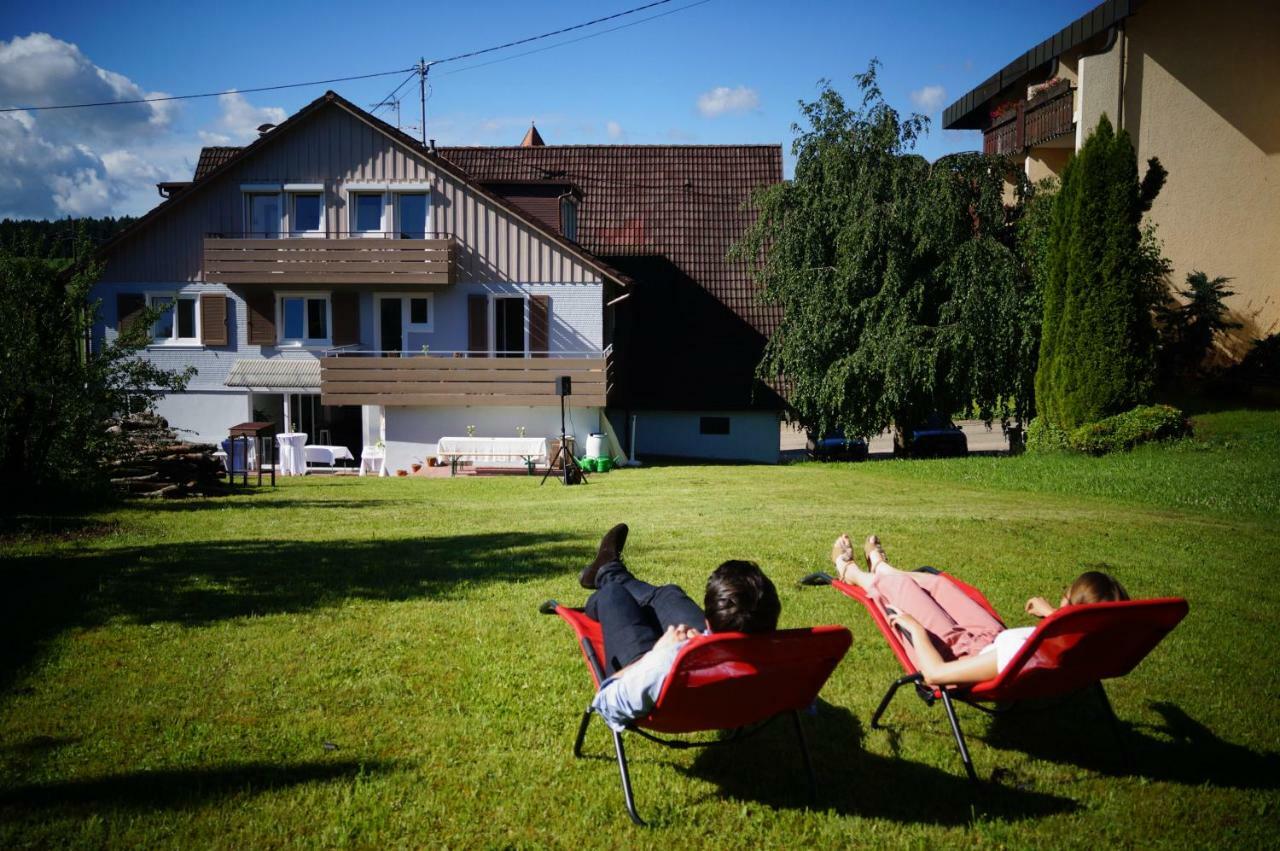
291 459
373 460
327 455
494 448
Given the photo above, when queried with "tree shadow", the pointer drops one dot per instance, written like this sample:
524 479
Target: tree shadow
1181 750
198 583
181 788
769 769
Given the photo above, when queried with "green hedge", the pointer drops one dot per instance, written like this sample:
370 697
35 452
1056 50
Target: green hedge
1125 431
1113 434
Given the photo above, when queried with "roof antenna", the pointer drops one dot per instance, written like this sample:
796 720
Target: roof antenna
423 68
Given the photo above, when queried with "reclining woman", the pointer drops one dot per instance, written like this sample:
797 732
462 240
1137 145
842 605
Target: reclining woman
942 621
645 626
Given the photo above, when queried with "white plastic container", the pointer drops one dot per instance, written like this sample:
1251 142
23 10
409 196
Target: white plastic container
595 445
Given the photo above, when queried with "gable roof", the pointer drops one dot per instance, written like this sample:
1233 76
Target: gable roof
223 159
212 157
687 203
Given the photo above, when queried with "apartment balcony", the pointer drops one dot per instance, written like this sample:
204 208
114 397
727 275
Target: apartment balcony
459 379
332 258
1028 123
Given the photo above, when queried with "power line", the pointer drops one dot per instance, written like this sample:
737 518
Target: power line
569 41
388 100
561 31
205 94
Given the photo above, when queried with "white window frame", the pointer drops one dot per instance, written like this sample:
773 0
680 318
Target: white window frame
174 340
406 326
248 191
381 232
292 191
409 189
493 320
304 342
568 202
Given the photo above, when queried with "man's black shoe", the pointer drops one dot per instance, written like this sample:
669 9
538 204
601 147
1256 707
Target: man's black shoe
610 550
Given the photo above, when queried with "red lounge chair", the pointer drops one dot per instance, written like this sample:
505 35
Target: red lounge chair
725 681
1074 648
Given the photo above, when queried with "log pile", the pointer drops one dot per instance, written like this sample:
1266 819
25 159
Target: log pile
154 462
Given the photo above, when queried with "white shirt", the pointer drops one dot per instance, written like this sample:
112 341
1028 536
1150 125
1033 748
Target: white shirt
632 693
1007 644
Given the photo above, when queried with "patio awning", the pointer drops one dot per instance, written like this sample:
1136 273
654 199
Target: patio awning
275 374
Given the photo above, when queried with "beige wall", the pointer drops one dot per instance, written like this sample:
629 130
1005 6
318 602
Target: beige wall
1202 93
333 147
1045 162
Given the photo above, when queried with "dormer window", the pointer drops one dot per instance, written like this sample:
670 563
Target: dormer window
569 217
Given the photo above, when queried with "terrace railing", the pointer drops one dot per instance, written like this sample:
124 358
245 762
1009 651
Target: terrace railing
1045 117
461 379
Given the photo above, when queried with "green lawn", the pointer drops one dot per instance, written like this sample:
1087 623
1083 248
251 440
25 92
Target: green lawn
360 662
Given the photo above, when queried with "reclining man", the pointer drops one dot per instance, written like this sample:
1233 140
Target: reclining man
645 626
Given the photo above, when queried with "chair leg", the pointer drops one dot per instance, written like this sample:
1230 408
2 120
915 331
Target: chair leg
808 760
582 733
955 730
1125 756
626 779
893 689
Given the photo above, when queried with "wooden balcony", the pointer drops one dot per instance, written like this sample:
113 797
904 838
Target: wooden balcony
329 260
1047 116
413 379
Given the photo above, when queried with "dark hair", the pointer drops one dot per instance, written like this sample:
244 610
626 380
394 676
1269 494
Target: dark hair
1094 586
740 598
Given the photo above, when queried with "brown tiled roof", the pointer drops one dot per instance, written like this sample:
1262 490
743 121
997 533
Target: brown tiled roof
211 158
681 202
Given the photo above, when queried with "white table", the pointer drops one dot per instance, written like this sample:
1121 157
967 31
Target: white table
373 460
526 450
291 444
327 455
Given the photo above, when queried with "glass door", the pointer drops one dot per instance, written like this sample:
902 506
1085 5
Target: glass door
264 216
391 324
508 327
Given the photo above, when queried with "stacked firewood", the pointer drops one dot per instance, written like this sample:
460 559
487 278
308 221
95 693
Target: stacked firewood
154 462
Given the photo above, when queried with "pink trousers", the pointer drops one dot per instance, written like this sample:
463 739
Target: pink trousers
958 623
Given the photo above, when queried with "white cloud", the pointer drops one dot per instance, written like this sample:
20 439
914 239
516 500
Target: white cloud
240 119
723 100
929 99
614 130
91 161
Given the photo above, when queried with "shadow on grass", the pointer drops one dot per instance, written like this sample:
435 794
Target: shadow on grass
768 768
1181 750
195 584
180 788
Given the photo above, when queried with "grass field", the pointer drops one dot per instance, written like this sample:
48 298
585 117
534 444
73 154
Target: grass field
352 662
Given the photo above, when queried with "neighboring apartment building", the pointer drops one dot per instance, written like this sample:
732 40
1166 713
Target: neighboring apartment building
340 279
1196 85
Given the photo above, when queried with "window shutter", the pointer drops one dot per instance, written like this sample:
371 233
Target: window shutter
213 319
262 318
128 308
539 325
346 318
478 324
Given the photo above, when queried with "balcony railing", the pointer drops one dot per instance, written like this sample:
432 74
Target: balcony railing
329 258
1047 116
459 379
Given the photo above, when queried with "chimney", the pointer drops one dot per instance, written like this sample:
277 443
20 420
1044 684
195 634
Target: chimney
532 139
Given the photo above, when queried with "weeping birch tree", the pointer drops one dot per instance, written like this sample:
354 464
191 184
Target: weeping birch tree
901 290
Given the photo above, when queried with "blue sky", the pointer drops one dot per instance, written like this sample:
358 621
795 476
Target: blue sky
720 72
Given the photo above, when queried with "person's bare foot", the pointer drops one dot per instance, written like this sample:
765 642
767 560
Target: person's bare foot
842 549
874 552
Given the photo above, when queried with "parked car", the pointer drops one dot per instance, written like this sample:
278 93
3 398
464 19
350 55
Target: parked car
938 437
834 446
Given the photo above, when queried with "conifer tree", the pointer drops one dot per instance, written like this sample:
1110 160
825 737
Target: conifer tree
1097 346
